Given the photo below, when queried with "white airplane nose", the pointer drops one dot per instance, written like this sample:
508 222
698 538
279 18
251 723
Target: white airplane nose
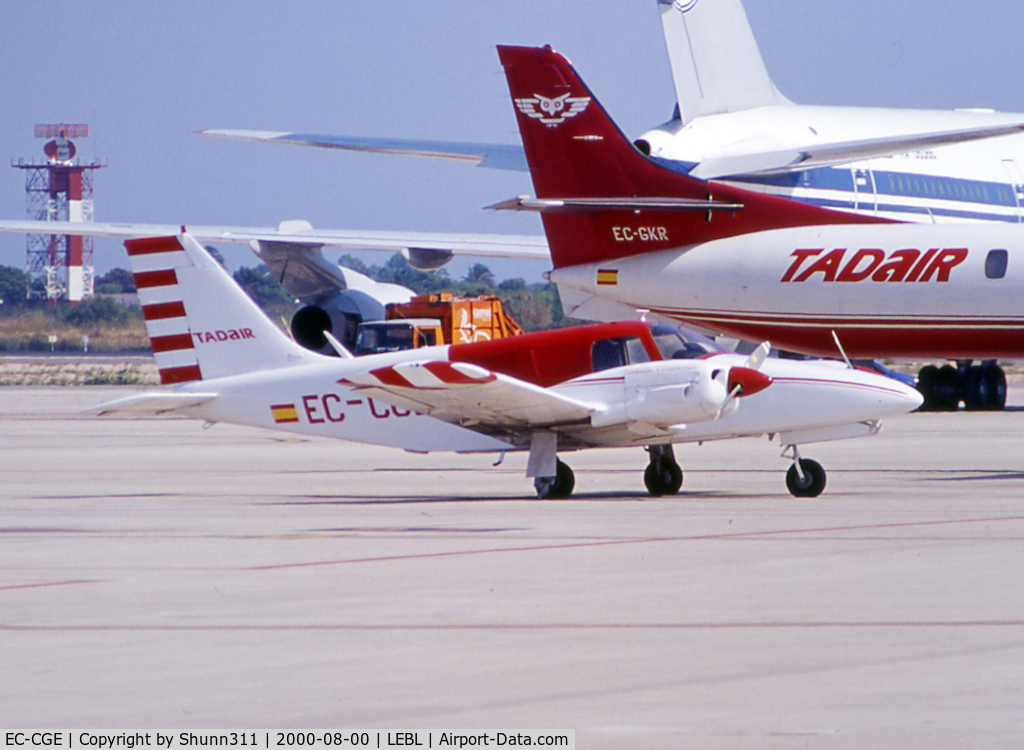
895 397
910 397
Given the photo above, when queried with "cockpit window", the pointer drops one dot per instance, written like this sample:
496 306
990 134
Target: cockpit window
677 343
617 352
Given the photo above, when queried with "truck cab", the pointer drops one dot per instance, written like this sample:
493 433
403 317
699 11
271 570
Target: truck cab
397 335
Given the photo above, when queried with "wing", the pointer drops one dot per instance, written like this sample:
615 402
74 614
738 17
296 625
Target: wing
494 155
422 249
472 397
804 157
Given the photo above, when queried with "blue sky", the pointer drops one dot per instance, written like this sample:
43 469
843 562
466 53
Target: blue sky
145 76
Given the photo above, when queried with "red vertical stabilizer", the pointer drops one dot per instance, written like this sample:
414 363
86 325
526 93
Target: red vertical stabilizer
603 199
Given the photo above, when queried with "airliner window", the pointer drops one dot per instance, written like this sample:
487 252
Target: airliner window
618 352
995 264
678 343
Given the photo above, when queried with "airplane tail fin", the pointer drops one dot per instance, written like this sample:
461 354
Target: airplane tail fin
200 323
599 196
716 65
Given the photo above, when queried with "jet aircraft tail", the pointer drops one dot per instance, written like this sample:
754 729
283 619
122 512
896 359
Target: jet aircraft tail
600 197
716 65
200 323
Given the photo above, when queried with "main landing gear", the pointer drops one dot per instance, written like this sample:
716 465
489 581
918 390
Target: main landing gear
557 487
663 476
981 387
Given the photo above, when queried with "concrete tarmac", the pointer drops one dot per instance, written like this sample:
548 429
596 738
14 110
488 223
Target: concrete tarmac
157 574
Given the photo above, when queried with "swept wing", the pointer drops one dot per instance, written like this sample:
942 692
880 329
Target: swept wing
493 155
297 232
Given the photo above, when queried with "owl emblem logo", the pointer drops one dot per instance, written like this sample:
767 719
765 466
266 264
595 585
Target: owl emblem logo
553 111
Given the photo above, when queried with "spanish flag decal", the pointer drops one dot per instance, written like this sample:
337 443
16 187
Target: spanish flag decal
284 413
607 277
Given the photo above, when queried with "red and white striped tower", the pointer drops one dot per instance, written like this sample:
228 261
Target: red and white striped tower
60 189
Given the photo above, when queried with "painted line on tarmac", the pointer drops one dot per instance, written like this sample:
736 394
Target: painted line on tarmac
647 540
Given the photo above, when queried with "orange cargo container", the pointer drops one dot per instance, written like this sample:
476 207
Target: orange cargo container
463 319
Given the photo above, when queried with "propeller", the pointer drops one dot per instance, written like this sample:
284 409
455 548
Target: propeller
747 379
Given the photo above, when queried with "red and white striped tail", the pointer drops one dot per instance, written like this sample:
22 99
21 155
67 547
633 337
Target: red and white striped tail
200 323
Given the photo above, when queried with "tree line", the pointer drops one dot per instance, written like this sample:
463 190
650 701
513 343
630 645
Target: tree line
535 306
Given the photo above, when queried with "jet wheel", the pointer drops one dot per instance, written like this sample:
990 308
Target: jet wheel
557 487
663 477
813 482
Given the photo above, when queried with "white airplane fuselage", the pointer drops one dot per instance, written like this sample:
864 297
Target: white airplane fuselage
886 290
667 401
974 181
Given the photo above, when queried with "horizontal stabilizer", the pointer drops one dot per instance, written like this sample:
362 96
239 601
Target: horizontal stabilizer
602 205
493 155
151 403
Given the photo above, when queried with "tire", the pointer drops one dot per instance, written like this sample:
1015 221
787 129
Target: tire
926 380
557 487
994 380
663 478
813 483
976 389
946 396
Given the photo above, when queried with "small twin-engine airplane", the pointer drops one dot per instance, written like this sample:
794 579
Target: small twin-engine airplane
616 384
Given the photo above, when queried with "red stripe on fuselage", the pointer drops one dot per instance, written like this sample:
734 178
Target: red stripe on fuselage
867 336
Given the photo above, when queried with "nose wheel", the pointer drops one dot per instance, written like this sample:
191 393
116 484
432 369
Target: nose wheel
663 475
805 478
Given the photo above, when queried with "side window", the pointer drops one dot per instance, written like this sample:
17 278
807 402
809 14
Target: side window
609 353
995 264
635 351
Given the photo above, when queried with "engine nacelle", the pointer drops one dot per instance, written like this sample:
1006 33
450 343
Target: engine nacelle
336 299
339 313
674 392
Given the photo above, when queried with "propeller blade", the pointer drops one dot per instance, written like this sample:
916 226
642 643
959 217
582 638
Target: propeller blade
758 356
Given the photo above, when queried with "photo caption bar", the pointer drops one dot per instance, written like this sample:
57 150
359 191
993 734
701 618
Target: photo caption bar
275 739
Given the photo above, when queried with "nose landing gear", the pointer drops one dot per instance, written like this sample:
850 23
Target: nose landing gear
805 478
